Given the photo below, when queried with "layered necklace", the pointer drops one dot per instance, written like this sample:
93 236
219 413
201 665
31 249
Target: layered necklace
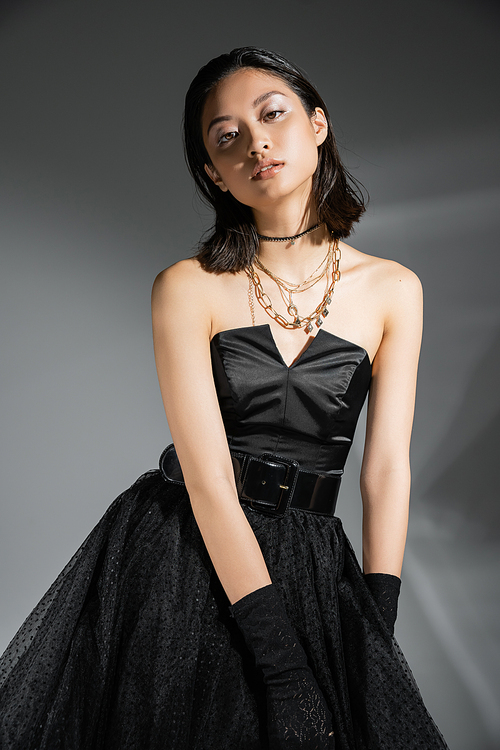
328 269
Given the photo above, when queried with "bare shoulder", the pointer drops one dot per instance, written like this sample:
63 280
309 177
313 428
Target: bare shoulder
387 279
216 301
182 293
180 277
398 284
186 287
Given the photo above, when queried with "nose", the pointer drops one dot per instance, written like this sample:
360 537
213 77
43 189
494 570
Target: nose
259 149
259 141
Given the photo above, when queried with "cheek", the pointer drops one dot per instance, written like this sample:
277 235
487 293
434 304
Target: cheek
301 140
230 163
235 177
302 151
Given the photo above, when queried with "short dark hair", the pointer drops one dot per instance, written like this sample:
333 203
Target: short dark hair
231 244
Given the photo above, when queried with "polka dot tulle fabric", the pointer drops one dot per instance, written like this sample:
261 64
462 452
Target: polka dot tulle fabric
133 647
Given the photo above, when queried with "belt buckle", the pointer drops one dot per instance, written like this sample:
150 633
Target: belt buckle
287 487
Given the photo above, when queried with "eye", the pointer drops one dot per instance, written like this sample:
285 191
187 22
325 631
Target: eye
274 114
227 137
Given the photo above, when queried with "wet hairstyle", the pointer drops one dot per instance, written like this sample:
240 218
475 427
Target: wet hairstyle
231 244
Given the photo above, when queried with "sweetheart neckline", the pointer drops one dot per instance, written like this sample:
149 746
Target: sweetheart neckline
297 360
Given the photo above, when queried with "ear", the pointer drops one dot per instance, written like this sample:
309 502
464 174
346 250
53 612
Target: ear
215 177
320 125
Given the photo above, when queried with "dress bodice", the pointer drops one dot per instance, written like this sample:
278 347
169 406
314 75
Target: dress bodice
307 411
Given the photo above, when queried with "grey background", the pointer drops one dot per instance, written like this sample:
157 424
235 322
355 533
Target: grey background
95 200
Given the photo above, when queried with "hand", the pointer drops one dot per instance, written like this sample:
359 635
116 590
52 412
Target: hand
298 717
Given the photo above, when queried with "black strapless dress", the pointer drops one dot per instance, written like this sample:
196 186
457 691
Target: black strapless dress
132 648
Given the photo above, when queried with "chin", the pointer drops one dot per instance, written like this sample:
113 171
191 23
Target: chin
275 191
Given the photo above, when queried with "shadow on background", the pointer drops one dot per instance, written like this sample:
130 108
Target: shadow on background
95 200
464 495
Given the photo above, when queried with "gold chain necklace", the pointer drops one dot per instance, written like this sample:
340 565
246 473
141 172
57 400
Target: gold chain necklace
301 286
287 289
321 311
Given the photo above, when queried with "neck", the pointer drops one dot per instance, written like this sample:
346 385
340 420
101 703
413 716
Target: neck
293 215
291 238
288 218
295 262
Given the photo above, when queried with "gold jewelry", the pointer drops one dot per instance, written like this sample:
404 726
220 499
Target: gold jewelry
289 288
321 311
296 287
251 303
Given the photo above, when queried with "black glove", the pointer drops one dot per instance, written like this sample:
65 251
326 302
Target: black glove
297 713
385 590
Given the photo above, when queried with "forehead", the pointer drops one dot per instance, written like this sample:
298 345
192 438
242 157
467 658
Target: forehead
240 90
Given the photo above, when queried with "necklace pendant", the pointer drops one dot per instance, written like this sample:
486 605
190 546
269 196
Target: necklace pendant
287 289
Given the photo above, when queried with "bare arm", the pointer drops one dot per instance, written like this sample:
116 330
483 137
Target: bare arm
385 472
181 335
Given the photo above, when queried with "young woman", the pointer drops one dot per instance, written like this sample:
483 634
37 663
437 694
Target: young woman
218 603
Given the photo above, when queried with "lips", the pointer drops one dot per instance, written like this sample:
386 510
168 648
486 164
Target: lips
267 168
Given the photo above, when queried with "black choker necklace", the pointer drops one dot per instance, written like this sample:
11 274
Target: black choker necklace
289 239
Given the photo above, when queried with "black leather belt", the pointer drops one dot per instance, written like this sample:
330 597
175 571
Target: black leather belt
269 483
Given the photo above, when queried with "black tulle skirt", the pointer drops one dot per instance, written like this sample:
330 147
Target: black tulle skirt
133 648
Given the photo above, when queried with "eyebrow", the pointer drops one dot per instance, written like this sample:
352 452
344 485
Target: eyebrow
259 100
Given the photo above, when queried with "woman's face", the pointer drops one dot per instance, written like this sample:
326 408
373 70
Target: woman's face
262 144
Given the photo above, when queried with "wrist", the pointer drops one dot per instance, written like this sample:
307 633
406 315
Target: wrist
385 589
389 578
